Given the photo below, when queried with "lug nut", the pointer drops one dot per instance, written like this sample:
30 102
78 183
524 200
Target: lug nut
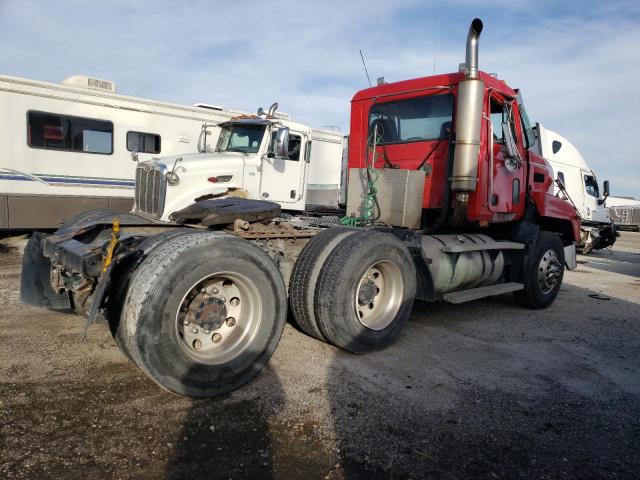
197 344
194 330
235 301
231 322
214 290
216 338
185 322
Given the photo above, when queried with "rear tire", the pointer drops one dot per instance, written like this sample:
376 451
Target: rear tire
104 214
543 273
186 278
365 291
305 274
120 281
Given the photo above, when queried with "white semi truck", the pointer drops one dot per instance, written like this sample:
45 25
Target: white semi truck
576 180
246 164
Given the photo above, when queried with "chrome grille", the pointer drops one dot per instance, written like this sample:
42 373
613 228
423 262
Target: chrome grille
151 186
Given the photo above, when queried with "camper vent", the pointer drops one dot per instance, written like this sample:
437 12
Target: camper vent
208 106
89 82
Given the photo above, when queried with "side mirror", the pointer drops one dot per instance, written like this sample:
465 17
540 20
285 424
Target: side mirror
134 156
605 192
510 142
282 142
560 180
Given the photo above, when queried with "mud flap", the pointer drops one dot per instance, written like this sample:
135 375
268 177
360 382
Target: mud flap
570 256
35 285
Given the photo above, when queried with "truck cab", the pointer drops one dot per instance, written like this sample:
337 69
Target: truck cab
255 157
579 185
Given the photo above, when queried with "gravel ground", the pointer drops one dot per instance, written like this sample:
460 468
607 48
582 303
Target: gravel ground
481 390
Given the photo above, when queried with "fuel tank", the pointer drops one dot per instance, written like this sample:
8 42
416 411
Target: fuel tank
455 265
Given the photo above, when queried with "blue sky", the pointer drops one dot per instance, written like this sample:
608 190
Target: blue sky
577 63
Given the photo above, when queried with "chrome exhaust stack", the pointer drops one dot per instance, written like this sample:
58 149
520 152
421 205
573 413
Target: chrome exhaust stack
468 120
471 56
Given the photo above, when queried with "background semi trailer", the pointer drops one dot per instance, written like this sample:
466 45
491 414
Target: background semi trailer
447 201
577 181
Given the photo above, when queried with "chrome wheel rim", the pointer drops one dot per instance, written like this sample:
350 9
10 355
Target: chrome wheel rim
218 318
379 295
549 270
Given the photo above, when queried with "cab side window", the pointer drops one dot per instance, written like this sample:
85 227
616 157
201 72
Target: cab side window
591 186
501 114
295 145
497 117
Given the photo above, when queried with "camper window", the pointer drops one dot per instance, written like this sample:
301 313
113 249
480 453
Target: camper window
143 142
64 132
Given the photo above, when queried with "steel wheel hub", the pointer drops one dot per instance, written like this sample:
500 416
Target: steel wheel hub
379 295
549 271
218 318
207 312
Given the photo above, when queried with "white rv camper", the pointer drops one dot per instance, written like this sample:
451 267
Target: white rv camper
68 148
580 183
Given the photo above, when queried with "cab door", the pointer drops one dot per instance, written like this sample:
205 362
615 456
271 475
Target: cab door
282 178
591 195
507 176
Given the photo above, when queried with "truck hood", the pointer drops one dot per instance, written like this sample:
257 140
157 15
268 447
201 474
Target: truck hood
227 163
196 174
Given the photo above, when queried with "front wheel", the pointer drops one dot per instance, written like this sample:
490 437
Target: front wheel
204 313
544 273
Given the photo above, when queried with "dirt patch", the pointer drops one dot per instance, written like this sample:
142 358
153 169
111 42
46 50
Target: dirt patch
480 390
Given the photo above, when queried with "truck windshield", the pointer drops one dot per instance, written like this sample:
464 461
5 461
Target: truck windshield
413 120
240 138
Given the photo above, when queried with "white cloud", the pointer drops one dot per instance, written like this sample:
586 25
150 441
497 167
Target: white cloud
577 75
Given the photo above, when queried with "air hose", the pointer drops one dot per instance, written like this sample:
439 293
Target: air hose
371 206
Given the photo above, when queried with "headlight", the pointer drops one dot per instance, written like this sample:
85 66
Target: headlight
172 178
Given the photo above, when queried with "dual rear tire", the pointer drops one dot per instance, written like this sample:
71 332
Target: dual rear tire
354 289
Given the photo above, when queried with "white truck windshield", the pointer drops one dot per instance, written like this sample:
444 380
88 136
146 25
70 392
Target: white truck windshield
240 138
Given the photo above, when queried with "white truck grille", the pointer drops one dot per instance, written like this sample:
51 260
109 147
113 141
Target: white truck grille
151 186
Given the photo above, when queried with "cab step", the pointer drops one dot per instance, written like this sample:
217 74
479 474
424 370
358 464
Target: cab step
481 292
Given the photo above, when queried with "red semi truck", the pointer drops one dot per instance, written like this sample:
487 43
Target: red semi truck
446 201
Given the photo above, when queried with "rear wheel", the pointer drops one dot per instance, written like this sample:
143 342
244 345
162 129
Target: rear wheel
365 291
305 274
105 215
120 281
204 313
544 273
